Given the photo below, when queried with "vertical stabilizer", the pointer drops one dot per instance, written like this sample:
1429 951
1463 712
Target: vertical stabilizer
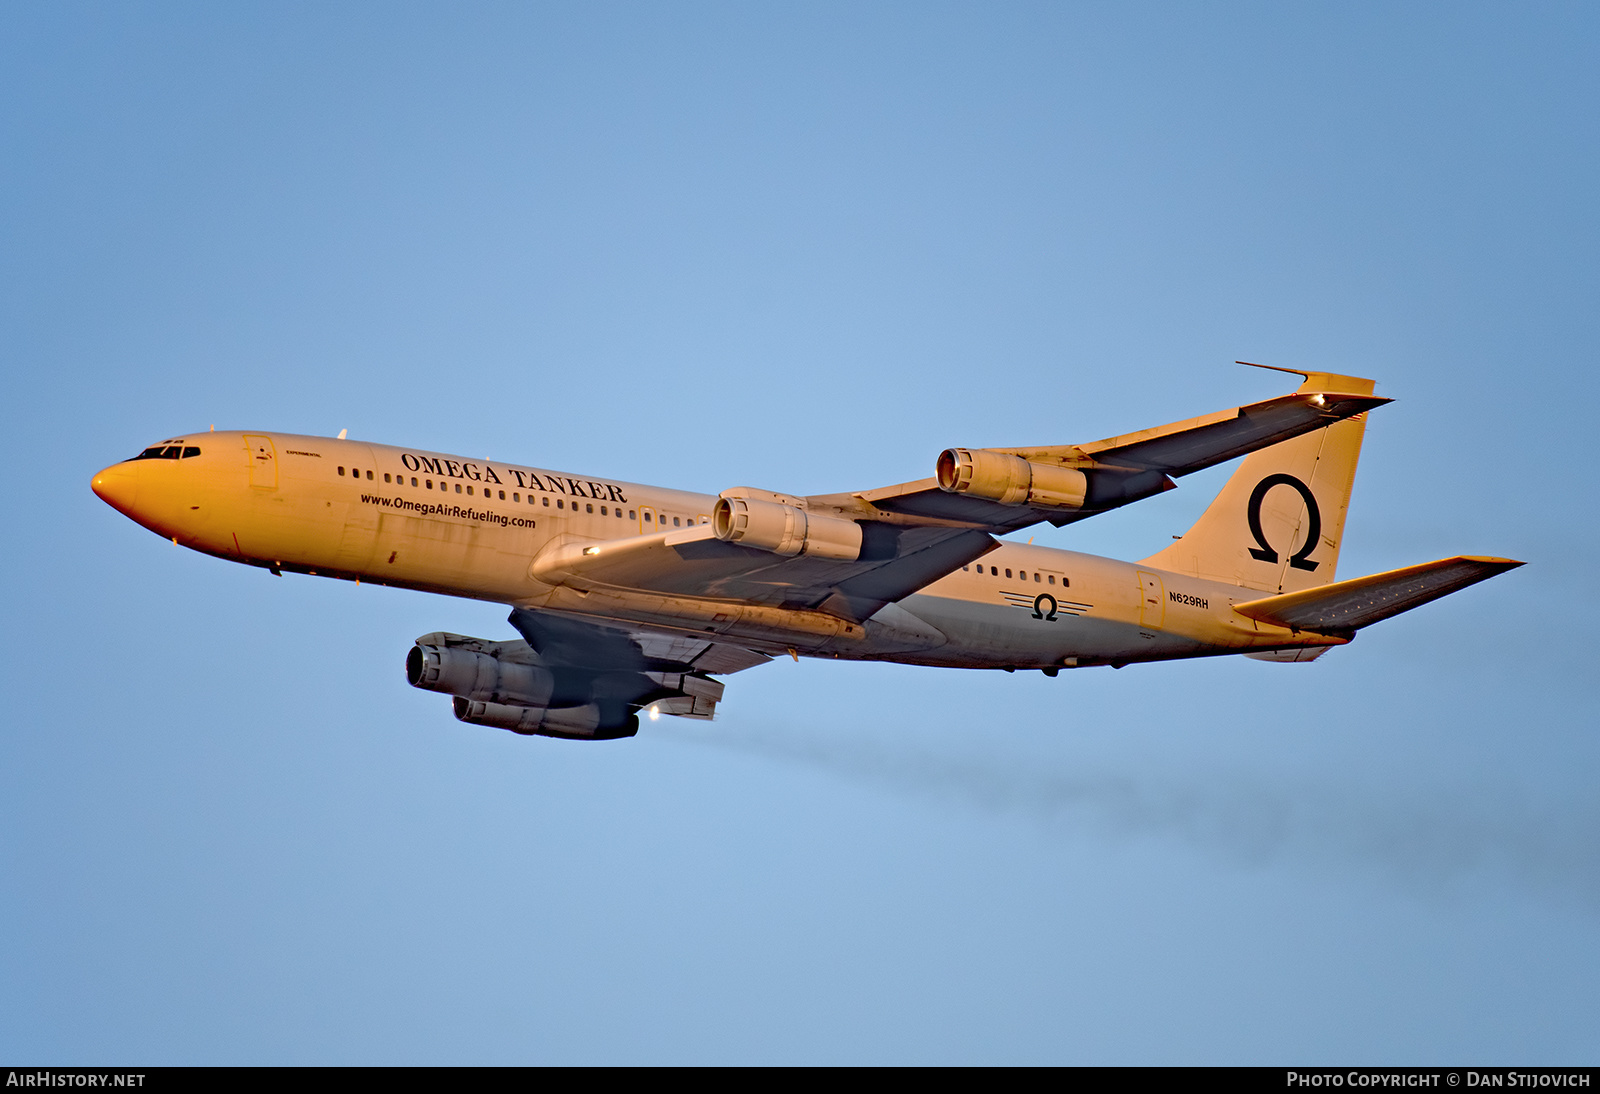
1278 522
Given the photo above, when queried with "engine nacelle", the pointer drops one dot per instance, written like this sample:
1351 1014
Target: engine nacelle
1011 480
477 676
785 529
586 722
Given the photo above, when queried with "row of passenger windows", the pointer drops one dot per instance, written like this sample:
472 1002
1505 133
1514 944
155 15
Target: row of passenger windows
516 496
1022 575
167 452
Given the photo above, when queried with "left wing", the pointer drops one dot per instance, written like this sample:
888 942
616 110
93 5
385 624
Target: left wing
849 555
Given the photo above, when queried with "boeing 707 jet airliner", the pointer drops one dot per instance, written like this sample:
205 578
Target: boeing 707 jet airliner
633 598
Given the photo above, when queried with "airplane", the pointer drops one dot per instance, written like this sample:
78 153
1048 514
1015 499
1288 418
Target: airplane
632 598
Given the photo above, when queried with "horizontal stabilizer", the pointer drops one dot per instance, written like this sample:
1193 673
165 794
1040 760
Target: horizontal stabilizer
1363 601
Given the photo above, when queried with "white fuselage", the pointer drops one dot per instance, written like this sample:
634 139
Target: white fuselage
472 528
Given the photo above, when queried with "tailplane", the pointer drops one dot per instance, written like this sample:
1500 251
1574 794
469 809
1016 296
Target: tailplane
1347 606
1278 522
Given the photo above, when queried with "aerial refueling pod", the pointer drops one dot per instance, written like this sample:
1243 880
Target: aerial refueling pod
478 677
785 529
1011 480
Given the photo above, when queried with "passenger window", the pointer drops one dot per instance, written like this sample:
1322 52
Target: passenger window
413 480
458 488
675 522
1008 571
369 476
341 471
604 512
502 495
1023 574
630 515
588 507
386 476
430 484
515 496
546 500
1052 579
1036 577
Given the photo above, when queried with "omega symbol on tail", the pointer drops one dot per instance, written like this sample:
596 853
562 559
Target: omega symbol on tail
1039 611
1265 553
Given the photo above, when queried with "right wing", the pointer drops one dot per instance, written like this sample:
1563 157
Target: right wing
1126 468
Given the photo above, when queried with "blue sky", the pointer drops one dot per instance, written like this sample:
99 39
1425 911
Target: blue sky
803 248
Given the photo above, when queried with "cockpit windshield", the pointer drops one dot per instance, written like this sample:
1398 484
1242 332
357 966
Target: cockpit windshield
167 450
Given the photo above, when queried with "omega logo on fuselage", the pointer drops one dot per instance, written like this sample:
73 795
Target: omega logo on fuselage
1301 559
527 480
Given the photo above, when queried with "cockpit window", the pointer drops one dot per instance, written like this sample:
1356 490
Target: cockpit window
167 450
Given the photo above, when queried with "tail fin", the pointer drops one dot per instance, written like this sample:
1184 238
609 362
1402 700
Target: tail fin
1278 522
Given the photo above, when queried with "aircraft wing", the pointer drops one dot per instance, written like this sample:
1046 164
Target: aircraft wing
894 562
564 643
1123 469
1347 606
914 533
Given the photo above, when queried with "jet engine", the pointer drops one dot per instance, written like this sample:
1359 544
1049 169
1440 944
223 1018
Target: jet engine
785 529
1011 480
502 684
478 676
587 721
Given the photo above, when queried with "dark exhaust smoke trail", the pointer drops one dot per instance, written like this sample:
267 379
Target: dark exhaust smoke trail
1431 840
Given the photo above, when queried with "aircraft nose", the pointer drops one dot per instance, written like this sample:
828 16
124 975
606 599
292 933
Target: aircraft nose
118 487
